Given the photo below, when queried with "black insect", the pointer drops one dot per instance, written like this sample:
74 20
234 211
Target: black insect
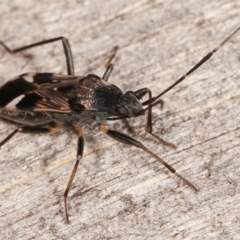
69 100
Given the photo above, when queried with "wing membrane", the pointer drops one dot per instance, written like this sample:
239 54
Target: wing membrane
46 92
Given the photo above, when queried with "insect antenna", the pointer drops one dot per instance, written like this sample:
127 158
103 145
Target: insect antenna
203 60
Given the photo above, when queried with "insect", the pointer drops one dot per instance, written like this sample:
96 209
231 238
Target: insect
51 102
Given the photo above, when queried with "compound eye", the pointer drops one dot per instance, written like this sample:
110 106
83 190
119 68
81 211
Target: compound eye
122 110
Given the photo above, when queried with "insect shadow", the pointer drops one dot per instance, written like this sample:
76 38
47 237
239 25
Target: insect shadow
72 101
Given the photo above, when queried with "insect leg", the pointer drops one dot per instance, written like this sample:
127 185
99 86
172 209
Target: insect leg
123 138
79 156
31 130
108 72
140 94
109 66
66 47
112 56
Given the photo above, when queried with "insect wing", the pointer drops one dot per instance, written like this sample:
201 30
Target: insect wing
46 92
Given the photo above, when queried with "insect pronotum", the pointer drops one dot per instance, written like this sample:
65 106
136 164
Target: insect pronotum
53 101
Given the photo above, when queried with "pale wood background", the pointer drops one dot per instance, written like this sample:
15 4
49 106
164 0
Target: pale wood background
120 192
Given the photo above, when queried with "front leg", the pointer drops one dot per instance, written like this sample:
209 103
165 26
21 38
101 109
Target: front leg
123 138
140 94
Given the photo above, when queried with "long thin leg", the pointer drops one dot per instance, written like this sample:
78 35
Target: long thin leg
31 130
120 137
109 66
115 49
139 94
108 72
66 47
79 156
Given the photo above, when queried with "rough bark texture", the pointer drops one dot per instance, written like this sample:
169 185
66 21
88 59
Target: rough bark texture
119 191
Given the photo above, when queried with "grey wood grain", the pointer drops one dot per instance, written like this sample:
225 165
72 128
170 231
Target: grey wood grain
120 192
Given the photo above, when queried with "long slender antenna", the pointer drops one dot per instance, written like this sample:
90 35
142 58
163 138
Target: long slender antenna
203 60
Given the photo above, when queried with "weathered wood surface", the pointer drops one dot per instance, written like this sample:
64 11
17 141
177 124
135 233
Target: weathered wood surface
120 192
